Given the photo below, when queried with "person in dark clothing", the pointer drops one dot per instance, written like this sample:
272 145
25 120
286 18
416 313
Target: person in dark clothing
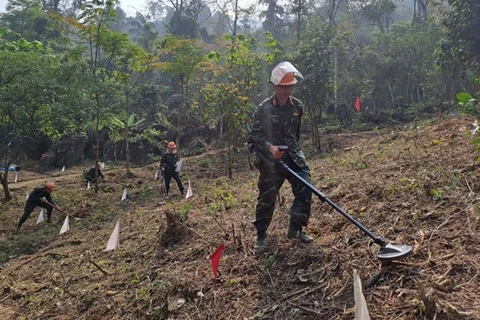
276 122
168 165
90 174
38 198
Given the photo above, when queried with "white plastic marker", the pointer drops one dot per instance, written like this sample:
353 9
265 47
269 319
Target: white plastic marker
361 310
156 176
178 165
114 239
189 190
63 169
40 217
16 177
124 195
65 226
475 127
88 185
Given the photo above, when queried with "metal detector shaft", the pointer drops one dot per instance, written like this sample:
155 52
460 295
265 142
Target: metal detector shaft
57 208
319 194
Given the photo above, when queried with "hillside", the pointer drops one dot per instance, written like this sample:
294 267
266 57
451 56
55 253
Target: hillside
419 187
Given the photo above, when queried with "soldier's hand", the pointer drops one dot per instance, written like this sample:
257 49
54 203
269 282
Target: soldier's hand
43 199
276 152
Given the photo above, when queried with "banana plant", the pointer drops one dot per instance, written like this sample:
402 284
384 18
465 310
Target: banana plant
127 128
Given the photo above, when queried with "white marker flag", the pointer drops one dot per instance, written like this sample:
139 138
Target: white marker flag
63 169
361 310
16 177
156 175
40 217
114 240
124 195
88 185
178 165
189 190
65 226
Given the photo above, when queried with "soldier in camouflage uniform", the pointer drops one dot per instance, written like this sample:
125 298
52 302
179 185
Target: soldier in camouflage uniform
277 121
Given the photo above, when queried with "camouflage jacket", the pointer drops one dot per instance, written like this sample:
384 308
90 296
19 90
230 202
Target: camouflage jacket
274 124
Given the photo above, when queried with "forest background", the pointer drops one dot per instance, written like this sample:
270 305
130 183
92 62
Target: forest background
81 80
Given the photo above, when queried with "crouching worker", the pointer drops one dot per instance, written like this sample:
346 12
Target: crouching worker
90 174
168 165
38 198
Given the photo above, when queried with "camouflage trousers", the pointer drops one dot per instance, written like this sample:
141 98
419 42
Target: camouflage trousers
269 183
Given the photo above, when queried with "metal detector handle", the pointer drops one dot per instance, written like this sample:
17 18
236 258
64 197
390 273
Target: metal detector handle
317 192
57 208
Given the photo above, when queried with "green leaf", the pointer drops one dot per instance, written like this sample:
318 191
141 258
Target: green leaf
117 122
464 97
130 120
472 79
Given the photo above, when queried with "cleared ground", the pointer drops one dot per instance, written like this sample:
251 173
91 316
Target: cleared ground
418 186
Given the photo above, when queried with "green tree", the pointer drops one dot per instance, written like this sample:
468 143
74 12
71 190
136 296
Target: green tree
179 58
19 61
132 65
301 10
32 22
378 12
106 48
226 98
313 58
126 126
182 21
460 47
273 15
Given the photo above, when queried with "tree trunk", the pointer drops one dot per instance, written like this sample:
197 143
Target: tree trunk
127 135
4 182
230 164
390 89
235 19
97 141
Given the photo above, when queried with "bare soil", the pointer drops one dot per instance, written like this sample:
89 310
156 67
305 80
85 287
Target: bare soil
419 187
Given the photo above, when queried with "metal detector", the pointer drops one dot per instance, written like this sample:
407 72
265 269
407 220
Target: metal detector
388 252
62 211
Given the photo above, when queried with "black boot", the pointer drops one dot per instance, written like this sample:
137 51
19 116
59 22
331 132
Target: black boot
19 225
261 241
295 232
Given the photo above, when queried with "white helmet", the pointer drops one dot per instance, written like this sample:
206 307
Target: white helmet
284 73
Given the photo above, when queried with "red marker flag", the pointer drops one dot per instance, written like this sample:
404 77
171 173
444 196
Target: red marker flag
215 257
357 104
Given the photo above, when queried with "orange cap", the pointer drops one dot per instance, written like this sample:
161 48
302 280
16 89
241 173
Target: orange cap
171 145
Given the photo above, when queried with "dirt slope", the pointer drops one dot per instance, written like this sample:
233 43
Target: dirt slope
419 187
